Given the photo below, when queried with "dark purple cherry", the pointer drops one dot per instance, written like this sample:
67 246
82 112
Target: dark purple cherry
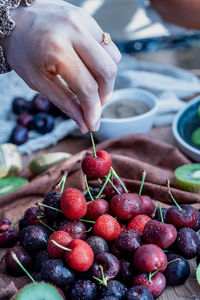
5 224
8 238
41 104
98 244
75 228
25 120
21 106
11 266
52 199
94 191
32 217
34 238
39 259
184 217
83 290
157 215
197 225
114 288
19 135
43 123
187 243
177 272
126 272
138 292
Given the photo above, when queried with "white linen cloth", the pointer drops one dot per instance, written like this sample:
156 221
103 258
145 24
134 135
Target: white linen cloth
169 84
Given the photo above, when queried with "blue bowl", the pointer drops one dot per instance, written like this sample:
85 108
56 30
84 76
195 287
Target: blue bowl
184 124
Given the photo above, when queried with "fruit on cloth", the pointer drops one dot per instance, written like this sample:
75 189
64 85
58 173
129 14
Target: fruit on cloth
184 217
25 120
19 135
109 191
126 206
139 292
62 238
114 288
107 227
98 244
96 167
40 104
38 291
46 161
52 199
178 271
8 238
75 228
43 123
10 184
21 106
73 204
83 289
195 138
10 160
187 178
187 243
5 224
11 266
161 234
138 222
149 258
127 242
97 208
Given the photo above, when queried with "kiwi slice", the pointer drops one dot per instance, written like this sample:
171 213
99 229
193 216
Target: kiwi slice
198 111
38 291
187 178
46 161
195 138
10 184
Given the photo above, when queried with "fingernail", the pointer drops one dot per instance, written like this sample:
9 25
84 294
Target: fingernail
96 126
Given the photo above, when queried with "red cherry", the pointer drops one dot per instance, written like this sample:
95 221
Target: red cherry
156 286
25 120
186 217
8 238
62 238
126 206
149 258
81 256
147 205
75 228
138 222
97 208
110 192
97 167
107 227
161 234
73 204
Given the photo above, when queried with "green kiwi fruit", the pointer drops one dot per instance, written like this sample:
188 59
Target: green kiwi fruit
46 161
187 178
38 291
10 184
195 138
198 111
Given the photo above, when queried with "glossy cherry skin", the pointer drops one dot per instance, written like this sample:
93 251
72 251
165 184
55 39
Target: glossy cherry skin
31 217
75 228
139 292
138 222
96 167
156 287
62 238
110 264
114 288
149 258
187 243
97 208
126 272
52 199
25 120
126 206
127 242
83 289
40 104
98 244
107 227
158 216
197 225
161 234
43 123
19 135
110 192
147 205
21 106
81 256
40 259
187 217
94 191
8 238
178 271
5 224
73 204
11 266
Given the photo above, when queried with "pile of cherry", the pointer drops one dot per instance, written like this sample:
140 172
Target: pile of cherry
104 244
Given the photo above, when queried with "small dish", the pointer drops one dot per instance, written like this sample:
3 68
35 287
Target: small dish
115 127
185 122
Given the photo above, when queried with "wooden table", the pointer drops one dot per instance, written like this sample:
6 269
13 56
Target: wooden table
190 290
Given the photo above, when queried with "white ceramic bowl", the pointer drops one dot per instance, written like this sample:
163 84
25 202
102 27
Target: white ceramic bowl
111 128
183 125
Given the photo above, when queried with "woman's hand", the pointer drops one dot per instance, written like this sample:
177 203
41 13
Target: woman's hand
56 38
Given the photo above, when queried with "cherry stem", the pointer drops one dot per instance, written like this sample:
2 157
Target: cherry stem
168 185
119 179
87 221
13 224
87 188
161 214
152 274
111 183
53 208
144 173
60 246
86 231
93 144
155 209
104 185
43 223
102 281
61 184
14 256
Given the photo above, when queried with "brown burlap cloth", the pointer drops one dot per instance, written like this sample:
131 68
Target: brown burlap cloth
130 155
